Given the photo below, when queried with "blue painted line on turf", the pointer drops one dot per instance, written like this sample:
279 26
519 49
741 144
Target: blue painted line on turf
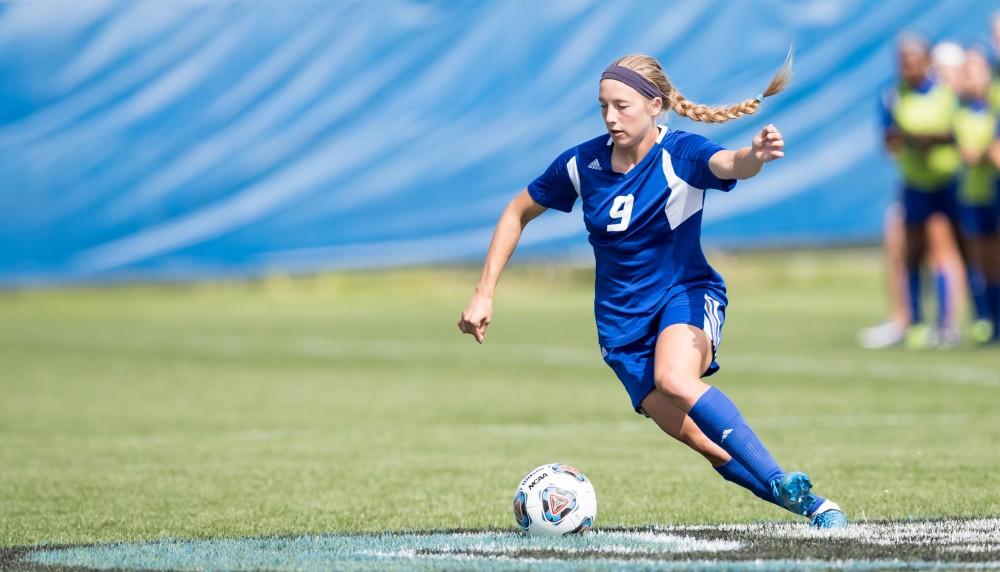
492 551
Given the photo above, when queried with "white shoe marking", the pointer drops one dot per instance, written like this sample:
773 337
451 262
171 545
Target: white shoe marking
827 505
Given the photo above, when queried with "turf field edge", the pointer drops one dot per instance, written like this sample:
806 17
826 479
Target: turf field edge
768 545
155 431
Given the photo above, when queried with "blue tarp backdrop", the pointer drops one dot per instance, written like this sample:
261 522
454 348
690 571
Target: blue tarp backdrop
174 140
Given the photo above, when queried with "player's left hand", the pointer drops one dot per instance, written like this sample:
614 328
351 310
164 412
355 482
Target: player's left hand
476 317
768 145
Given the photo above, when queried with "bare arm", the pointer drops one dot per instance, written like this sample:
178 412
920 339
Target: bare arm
746 162
479 311
894 141
972 156
925 142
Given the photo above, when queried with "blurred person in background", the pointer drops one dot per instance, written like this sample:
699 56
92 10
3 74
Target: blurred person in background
948 254
976 135
917 115
893 330
995 86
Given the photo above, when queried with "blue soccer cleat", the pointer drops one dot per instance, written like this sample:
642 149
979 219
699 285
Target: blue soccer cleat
828 515
793 492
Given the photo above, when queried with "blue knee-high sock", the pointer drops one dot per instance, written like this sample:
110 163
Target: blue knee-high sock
718 418
734 472
980 296
944 311
913 285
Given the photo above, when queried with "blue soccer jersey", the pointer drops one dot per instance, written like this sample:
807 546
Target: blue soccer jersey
644 225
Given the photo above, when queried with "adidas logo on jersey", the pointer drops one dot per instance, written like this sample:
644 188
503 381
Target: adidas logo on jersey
594 165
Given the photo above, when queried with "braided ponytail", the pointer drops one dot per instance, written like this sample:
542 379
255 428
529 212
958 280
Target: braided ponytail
651 69
708 114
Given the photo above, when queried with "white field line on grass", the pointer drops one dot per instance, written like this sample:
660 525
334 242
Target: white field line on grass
884 370
610 542
465 350
973 534
782 421
655 549
565 356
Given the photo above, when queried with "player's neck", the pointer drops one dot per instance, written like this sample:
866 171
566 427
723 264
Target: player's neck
916 82
629 157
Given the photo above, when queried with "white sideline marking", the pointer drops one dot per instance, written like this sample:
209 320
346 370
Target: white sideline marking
561 356
961 535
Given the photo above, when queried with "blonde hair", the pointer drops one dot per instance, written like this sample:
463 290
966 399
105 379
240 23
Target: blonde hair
651 69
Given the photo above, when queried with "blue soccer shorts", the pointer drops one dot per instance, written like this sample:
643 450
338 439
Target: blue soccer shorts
979 220
919 205
703 308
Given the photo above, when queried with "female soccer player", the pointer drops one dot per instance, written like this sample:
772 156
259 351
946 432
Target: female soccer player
659 305
976 133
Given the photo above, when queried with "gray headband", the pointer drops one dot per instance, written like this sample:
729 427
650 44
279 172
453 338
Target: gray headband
633 79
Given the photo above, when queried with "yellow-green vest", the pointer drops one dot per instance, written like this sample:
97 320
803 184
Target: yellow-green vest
930 113
977 130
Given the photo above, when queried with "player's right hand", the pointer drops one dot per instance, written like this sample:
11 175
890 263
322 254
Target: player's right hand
476 317
768 145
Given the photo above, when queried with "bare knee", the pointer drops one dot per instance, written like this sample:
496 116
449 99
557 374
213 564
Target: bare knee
680 387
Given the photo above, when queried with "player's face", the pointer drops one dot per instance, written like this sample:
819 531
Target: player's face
628 115
976 74
913 62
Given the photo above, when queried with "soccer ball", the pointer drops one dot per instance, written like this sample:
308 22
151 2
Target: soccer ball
555 499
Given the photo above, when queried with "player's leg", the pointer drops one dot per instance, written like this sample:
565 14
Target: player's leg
974 226
633 365
992 263
957 251
991 269
982 327
891 331
916 249
918 207
682 352
986 224
948 255
678 425
895 248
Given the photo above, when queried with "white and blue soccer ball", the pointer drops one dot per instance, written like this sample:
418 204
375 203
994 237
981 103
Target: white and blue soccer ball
555 499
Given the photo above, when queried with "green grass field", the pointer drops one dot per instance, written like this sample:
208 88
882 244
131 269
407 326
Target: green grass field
350 402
